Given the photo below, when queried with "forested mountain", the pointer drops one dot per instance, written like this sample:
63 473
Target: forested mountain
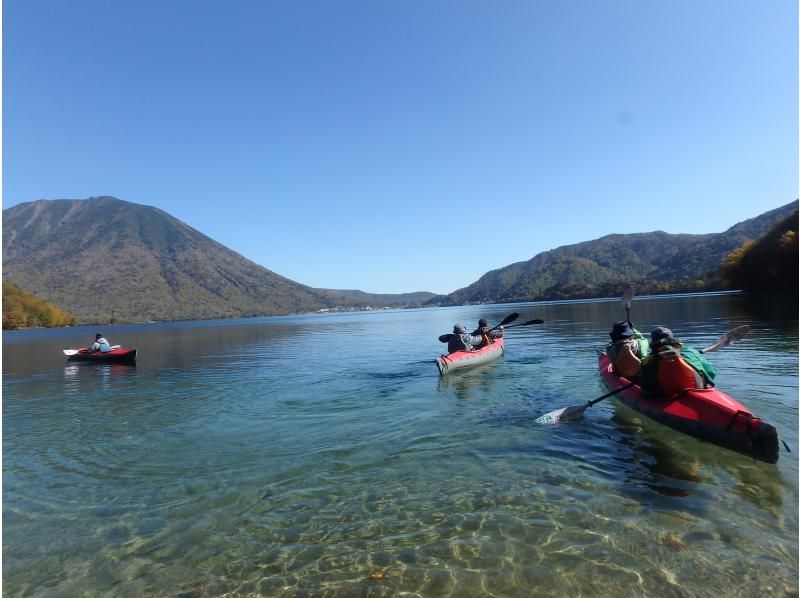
106 260
25 310
656 261
769 263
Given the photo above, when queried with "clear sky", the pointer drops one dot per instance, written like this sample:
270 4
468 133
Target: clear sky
394 146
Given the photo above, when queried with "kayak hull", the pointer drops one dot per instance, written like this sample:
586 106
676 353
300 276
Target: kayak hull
120 355
707 414
466 359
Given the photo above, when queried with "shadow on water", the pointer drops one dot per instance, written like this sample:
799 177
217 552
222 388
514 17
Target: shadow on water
779 310
676 465
469 383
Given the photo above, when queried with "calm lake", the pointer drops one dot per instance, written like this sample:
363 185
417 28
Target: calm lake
322 455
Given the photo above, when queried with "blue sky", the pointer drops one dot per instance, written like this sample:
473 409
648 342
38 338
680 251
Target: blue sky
395 146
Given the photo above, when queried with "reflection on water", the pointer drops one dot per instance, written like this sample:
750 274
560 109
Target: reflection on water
326 456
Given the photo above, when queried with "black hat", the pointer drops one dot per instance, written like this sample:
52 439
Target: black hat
482 322
459 329
660 334
621 329
98 335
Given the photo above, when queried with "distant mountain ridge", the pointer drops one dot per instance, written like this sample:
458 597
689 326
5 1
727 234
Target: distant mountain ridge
105 259
684 261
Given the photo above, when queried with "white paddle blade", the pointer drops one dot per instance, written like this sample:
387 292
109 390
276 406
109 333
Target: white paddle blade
627 296
116 346
728 338
69 352
562 415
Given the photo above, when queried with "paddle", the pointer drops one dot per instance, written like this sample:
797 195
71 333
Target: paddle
726 339
69 352
528 323
568 413
627 296
507 320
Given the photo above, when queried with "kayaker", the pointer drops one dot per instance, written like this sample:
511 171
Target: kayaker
673 366
100 344
487 335
627 349
461 341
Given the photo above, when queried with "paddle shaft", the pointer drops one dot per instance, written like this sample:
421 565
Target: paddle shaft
610 394
528 323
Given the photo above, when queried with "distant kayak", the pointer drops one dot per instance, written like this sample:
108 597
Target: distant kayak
120 355
465 359
708 414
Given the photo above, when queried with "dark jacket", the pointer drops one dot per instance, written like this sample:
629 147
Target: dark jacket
461 342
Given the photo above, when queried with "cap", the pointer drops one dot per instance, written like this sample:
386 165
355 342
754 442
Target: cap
459 329
659 334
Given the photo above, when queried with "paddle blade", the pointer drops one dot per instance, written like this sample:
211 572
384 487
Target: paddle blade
627 297
445 338
69 352
728 338
508 319
562 415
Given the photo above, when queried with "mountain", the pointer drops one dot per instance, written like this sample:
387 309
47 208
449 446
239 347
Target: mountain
659 260
769 263
25 310
105 260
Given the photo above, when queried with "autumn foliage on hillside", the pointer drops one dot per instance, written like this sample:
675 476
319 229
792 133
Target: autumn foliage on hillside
24 310
769 263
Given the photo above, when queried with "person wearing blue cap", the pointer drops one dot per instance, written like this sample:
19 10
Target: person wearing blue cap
627 349
673 366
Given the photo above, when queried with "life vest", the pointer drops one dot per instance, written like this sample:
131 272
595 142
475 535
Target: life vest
674 374
626 364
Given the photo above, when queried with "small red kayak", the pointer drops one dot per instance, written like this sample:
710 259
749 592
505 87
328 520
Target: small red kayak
708 414
120 355
463 359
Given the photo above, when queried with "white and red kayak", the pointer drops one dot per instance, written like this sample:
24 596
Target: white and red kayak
465 359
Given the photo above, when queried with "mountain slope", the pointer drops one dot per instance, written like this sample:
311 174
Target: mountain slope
658 256
104 258
24 310
769 263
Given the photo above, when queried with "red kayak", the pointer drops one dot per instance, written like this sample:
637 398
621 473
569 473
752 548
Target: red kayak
462 359
708 414
120 355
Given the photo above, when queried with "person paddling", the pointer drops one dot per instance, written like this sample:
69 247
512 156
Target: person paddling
487 335
627 349
460 340
100 344
673 366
